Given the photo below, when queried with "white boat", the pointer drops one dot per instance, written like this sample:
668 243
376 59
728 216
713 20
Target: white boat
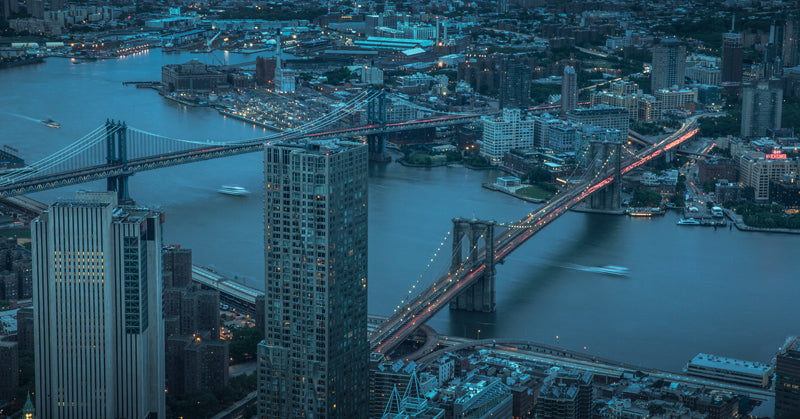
233 190
50 123
688 222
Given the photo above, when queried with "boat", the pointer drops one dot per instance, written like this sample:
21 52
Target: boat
688 222
612 270
233 190
50 123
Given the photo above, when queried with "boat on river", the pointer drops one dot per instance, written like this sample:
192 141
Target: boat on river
50 123
233 190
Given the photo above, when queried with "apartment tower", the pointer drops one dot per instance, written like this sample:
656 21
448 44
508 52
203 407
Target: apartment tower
314 360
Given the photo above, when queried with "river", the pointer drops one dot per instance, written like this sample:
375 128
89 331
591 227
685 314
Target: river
690 289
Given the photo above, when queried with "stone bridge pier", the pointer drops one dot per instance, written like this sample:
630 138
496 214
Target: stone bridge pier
610 197
480 296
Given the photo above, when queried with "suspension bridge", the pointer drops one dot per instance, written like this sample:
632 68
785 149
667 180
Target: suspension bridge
115 151
469 284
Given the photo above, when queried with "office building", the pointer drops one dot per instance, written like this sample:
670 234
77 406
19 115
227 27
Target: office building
25 328
566 394
787 380
569 90
98 325
791 42
9 370
762 105
196 358
314 360
732 56
758 170
719 368
504 133
669 65
610 117
515 83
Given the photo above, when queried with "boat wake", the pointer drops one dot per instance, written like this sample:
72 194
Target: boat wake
23 117
607 269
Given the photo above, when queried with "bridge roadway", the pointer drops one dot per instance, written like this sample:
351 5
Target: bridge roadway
102 171
428 302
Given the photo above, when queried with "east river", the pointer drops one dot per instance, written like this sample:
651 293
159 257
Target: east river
690 289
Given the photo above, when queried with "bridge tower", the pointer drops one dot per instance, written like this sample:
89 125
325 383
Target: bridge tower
480 296
608 198
117 154
376 114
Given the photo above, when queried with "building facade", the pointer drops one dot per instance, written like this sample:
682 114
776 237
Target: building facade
787 380
669 65
502 134
610 117
762 105
732 57
569 90
99 335
314 360
758 171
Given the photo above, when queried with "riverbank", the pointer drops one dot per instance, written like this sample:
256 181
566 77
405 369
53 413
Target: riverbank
738 221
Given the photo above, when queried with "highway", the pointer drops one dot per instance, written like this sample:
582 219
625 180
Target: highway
428 302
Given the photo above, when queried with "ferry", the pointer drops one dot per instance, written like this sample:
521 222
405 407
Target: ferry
688 222
50 123
233 190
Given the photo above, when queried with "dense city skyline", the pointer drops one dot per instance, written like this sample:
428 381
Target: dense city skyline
638 117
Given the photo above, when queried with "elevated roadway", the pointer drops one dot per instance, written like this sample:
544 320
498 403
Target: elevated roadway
436 296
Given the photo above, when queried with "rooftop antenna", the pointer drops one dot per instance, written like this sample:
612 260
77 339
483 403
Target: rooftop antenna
733 21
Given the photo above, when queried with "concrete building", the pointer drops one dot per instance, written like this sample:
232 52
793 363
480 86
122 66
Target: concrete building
611 117
9 370
569 90
314 360
758 171
196 358
25 328
384 376
566 394
672 99
192 76
787 380
762 105
730 370
791 42
669 65
99 333
732 57
371 75
515 83
505 133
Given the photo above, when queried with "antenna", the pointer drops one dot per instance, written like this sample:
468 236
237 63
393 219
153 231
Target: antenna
733 21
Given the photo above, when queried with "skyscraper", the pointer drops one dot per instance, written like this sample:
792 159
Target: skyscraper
669 65
569 90
314 357
98 326
732 55
791 41
762 105
787 380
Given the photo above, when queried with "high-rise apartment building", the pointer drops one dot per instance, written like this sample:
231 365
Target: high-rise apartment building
611 117
502 134
669 65
515 83
98 326
314 360
762 105
569 90
732 56
787 380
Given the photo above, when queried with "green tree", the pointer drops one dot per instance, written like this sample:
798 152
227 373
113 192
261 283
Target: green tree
244 343
536 175
646 198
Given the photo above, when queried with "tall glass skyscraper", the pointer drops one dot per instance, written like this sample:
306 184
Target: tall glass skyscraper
99 333
313 361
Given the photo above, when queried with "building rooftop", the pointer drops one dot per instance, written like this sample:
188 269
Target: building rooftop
737 365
